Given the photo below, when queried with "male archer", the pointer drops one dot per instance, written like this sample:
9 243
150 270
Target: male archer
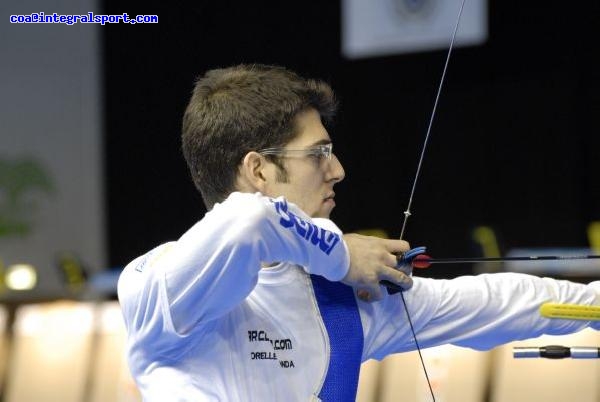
265 299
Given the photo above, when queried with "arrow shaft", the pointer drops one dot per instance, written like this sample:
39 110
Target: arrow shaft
458 260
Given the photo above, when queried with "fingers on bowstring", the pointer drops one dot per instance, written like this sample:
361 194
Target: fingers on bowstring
396 262
394 251
398 277
390 260
396 246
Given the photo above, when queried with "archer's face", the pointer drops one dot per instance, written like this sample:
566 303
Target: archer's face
310 178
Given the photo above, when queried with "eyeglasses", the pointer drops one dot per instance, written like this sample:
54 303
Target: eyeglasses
320 151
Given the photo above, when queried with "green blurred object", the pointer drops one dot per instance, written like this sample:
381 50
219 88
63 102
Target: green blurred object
20 179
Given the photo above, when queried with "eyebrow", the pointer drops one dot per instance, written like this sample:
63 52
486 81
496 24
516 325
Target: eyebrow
323 141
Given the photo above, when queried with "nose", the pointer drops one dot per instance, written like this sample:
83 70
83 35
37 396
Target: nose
336 170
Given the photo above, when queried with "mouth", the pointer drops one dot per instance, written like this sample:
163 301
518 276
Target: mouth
330 198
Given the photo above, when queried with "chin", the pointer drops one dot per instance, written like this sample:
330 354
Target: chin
321 214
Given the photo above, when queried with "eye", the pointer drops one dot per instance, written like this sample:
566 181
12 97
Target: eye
317 155
320 152
325 151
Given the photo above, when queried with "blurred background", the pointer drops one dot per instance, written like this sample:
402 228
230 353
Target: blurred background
91 172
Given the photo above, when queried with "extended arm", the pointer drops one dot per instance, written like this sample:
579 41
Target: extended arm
474 311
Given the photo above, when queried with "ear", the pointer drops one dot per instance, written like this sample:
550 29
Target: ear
253 176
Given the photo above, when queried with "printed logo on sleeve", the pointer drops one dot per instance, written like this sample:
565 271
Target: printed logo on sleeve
325 239
142 264
152 256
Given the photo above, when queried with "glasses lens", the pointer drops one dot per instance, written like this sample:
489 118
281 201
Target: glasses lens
327 150
322 151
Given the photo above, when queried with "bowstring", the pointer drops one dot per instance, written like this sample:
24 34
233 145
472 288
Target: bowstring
407 213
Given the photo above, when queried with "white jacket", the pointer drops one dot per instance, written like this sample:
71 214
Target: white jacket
206 323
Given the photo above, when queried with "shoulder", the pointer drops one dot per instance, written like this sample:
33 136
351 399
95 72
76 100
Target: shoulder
140 268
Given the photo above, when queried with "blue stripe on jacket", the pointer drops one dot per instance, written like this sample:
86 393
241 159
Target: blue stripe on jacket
340 315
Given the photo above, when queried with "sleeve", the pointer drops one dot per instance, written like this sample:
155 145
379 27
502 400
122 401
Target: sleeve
479 312
215 265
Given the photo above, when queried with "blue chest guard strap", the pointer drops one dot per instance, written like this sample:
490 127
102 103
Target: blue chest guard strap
339 312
